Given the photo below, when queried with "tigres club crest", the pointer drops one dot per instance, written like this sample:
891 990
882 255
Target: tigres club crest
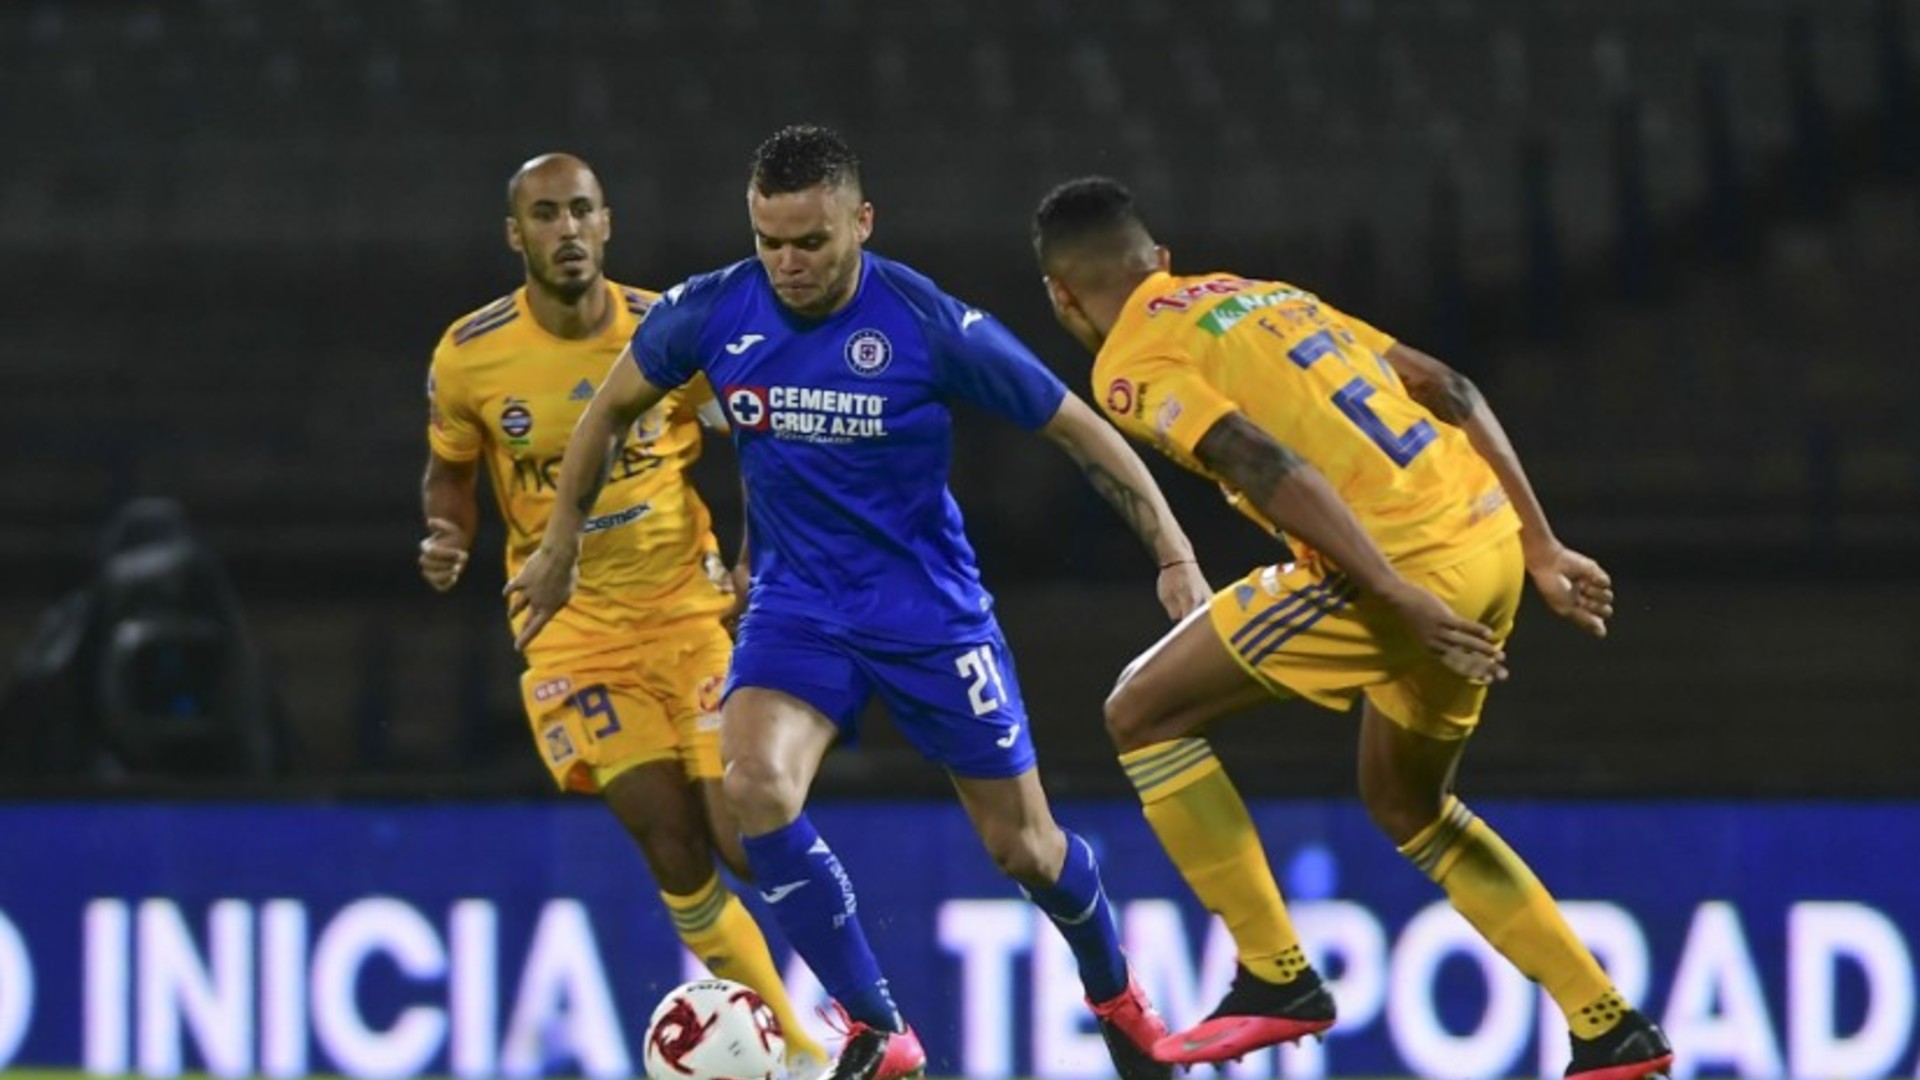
516 420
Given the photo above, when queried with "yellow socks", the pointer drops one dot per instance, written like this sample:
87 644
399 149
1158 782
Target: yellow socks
717 927
1206 831
1496 892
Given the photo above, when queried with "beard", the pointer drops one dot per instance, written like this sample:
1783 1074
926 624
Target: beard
553 278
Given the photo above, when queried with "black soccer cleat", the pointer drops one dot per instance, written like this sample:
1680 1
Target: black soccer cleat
860 1058
1254 1015
873 1054
1634 1050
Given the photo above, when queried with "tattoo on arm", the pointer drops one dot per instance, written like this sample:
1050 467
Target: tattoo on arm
1239 452
1134 510
1452 398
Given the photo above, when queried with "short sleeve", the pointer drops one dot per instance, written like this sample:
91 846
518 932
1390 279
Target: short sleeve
1163 401
666 343
1368 336
982 362
452 430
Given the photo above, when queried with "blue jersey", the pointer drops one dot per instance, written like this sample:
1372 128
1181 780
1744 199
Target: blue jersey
844 431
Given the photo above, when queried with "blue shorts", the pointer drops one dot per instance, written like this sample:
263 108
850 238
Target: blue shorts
958 704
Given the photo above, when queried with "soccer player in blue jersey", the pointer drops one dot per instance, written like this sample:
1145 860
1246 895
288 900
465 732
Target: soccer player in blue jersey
837 368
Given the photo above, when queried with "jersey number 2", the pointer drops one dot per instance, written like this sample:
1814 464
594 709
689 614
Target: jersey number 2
979 666
1402 447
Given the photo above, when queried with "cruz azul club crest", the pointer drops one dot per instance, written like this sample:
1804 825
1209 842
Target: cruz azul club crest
869 352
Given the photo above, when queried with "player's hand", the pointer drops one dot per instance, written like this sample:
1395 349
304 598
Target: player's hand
443 554
1183 589
728 581
1574 586
540 589
1465 646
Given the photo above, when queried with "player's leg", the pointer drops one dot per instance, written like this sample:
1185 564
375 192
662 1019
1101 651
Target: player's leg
622 730
1413 733
1059 873
793 694
1155 716
773 743
692 678
1406 783
961 707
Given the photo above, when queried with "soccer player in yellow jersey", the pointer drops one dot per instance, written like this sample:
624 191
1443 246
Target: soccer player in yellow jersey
1416 530
622 691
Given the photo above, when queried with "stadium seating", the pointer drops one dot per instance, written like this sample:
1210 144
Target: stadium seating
242 227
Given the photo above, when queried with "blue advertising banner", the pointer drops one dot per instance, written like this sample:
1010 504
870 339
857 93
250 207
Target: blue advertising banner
523 939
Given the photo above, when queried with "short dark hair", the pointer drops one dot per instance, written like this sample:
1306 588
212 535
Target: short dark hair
1087 209
801 156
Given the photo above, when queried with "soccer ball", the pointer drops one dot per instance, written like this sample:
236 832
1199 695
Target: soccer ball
714 1030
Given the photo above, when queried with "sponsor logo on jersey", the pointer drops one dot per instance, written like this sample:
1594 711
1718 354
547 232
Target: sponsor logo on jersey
1167 415
616 519
552 689
708 696
533 475
869 352
582 391
744 342
747 405
1187 296
1230 312
558 744
1486 505
1120 397
516 420
808 413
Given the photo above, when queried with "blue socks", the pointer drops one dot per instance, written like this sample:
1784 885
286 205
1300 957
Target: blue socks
1077 904
802 882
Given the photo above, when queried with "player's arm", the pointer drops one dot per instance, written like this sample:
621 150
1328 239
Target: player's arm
1121 478
449 501
545 582
1575 586
1293 495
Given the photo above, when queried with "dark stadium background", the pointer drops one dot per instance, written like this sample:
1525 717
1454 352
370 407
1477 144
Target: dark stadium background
1676 243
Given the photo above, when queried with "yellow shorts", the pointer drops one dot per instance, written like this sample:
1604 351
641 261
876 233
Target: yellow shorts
598 715
1303 629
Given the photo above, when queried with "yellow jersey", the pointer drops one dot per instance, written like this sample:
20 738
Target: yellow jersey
1186 351
501 387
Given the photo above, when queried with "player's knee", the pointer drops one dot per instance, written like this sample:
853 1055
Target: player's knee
677 851
1129 725
1026 855
1399 813
762 795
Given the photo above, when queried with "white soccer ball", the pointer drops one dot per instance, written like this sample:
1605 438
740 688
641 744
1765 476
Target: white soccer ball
714 1029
